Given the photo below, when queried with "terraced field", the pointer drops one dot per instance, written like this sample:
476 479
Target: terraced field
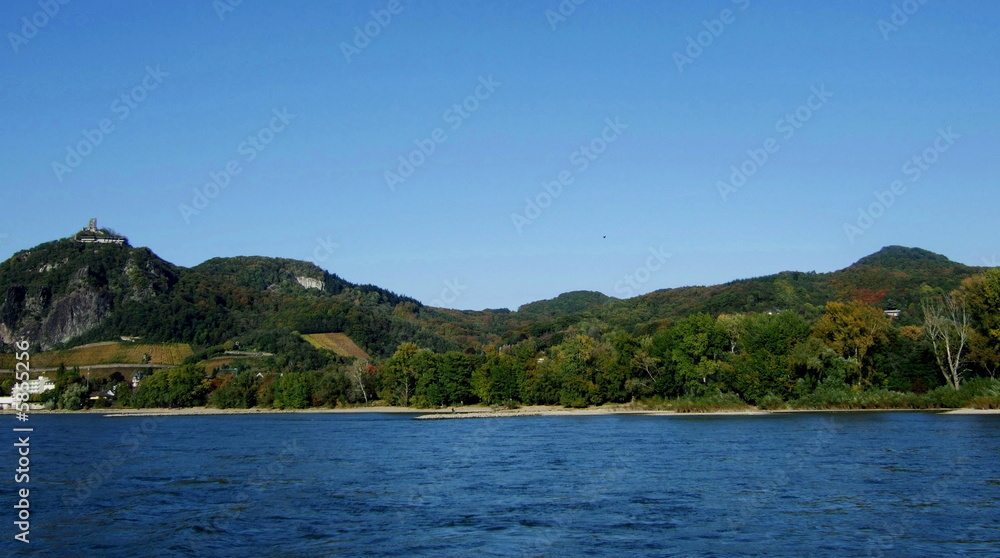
111 352
337 343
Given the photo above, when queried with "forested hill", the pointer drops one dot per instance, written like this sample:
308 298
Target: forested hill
566 303
66 293
894 277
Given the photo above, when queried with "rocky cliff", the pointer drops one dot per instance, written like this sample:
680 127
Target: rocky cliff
60 290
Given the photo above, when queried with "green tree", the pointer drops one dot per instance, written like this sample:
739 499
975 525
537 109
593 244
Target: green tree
399 374
173 387
577 359
500 379
292 391
981 295
73 397
240 392
699 346
454 378
543 382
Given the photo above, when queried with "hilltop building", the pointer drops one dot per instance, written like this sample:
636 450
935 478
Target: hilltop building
91 233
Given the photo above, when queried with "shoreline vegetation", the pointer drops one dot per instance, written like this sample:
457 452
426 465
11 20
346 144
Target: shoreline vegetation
482 411
931 342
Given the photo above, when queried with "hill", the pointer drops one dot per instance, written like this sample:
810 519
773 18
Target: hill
67 293
892 277
61 290
566 303
902 258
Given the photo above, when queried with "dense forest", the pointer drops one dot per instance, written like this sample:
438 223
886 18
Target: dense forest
901 328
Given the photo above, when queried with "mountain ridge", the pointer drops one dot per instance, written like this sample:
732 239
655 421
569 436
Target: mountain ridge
64 293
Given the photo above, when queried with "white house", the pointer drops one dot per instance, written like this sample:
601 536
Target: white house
39 385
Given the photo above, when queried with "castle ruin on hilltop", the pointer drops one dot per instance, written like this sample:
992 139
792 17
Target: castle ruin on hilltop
91 233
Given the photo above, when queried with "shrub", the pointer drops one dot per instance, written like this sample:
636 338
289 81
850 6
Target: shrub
717 401
771 402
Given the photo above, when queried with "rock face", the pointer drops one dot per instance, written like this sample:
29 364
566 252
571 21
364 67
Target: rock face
310 283
63 289
45 320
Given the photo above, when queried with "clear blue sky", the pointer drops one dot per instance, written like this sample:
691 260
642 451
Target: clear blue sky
198 81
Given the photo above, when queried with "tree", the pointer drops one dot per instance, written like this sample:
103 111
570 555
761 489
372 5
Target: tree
984 352
543 383
946 323
577 363
851 330
399 375
73 397
454 377
699 344
174 387
359 373
240 392
981 294
633 356
291 391
499 380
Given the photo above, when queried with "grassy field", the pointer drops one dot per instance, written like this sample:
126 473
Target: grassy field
106 353
212 364
338 343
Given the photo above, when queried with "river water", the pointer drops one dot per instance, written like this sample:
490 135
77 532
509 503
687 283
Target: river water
824 484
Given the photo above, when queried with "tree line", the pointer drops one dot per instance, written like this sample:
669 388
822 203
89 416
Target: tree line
850 352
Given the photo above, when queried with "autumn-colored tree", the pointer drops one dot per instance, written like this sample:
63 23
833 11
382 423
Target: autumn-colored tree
981 295
852 329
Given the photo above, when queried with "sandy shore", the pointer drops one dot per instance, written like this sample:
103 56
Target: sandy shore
470 411
481 411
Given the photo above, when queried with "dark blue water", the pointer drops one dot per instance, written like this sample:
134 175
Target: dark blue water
890 484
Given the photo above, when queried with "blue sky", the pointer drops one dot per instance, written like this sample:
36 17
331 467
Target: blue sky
643 109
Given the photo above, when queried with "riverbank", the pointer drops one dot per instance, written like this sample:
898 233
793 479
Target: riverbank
481 411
